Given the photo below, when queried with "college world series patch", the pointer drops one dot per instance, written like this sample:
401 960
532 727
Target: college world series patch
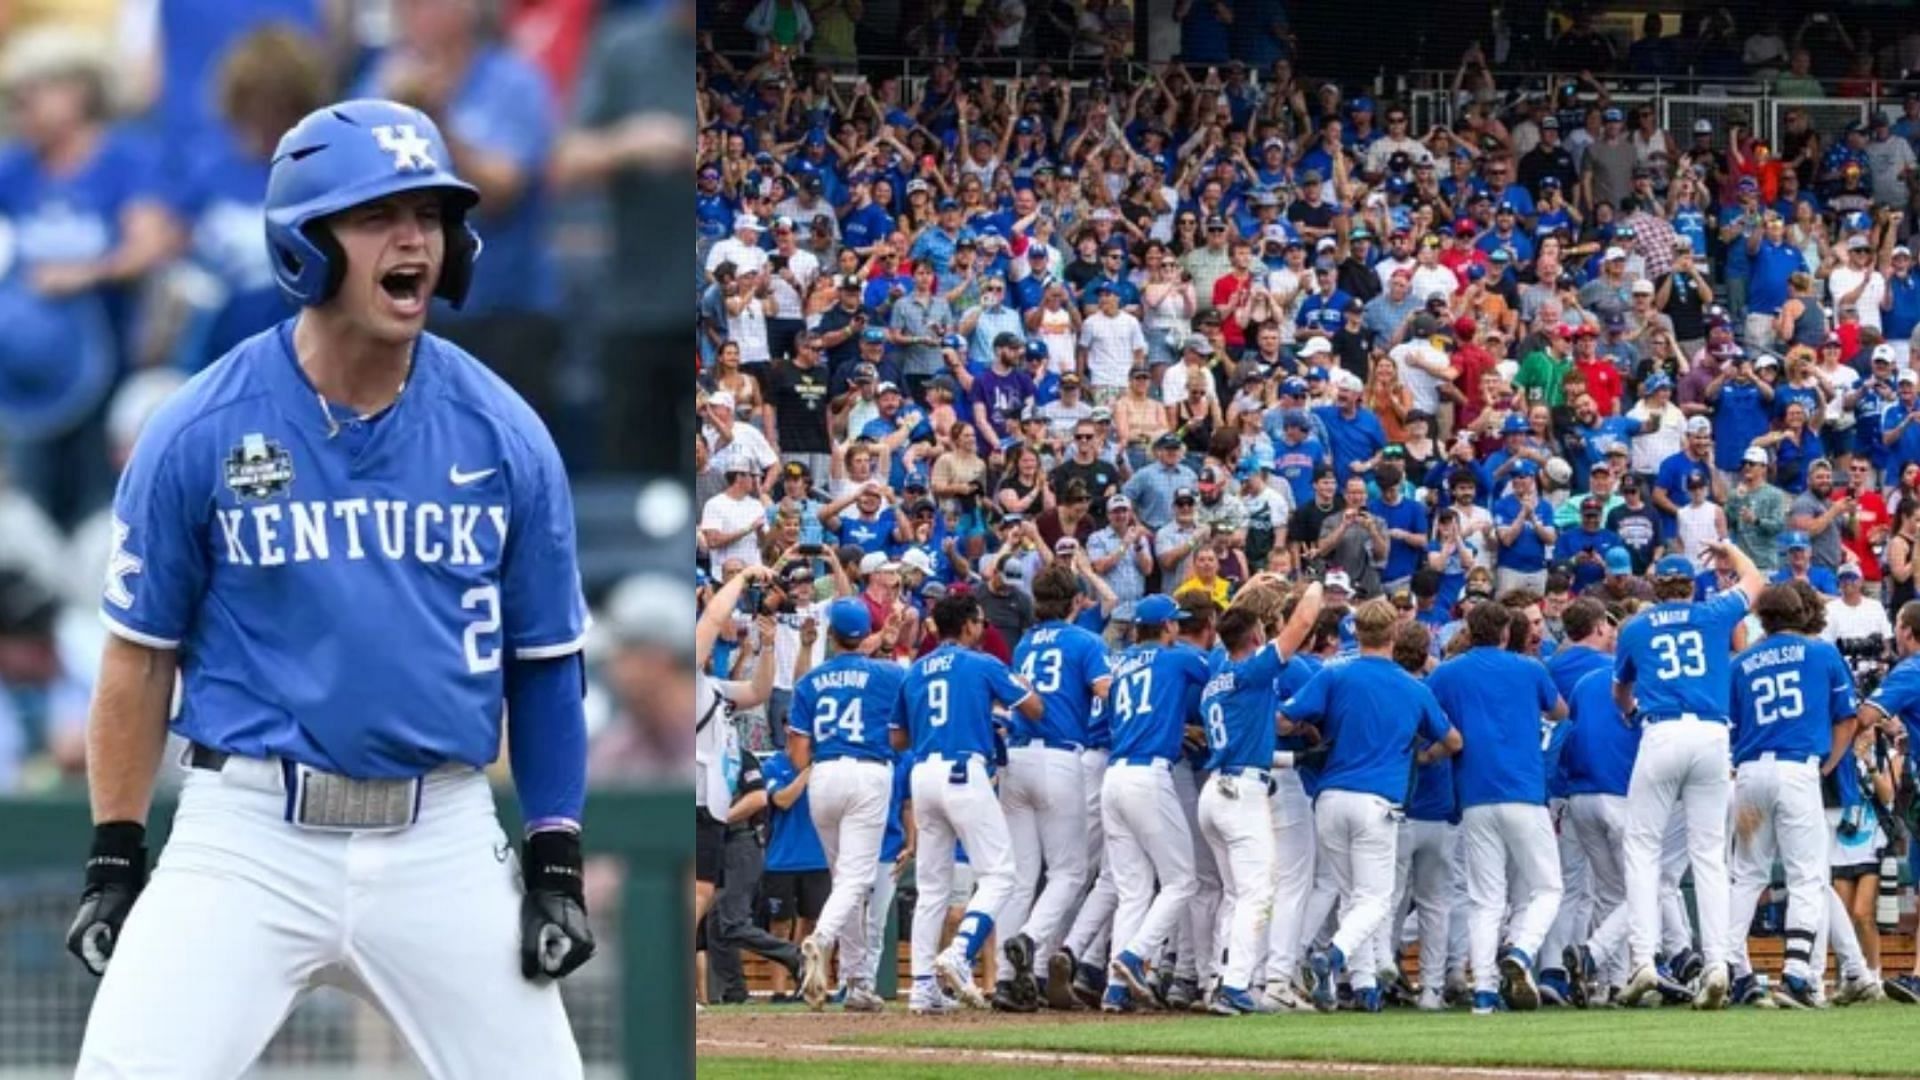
259 468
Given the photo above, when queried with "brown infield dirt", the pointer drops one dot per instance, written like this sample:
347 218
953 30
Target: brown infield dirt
824 1036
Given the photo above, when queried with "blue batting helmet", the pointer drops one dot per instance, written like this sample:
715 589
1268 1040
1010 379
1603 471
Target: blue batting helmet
1037 350
352 153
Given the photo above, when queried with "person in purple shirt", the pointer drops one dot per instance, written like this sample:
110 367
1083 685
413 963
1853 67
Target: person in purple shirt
1001 392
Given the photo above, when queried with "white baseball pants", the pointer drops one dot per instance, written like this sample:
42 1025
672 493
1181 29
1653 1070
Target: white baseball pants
848 798
1147 838
1359 835
1198 956
1423 871
1294 850
947 811
246 913
1777 813
1238 826
1684 765
1087 940
1509 845
1575 919
1042 797
1599 823
866 961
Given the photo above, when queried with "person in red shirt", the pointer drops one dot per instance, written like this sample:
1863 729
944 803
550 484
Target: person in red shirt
1471 360
1460 253
1602 377
1234 291
1870 519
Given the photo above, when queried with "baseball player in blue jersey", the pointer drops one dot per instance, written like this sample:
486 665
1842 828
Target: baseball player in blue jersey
1793 716
1370 711
1672 674
1587 646
842 711
1154 695
1041 791
1897 703
1423 869
946 718
353 544
1195 958
1598 761
1238 710
1495 699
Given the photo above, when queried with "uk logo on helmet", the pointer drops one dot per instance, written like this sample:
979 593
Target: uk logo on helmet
411 152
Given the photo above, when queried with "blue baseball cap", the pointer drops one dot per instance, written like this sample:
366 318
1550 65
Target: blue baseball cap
1673 566
1156 609
1294 386
1656 384
848 617
1619 562
898 118
873 335
1515 424
948 203
1794 541
1613 116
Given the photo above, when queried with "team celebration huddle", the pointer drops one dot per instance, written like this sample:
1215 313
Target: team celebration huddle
1194 536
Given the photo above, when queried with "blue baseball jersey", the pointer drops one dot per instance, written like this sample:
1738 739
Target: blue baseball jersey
1155 693
1238 707
793 846
1788 693
344 592
1062 663
1600 745
1495 698
1899 697
1432 798
1372 711
895 840
1566 667
1679 656
948 698
846 707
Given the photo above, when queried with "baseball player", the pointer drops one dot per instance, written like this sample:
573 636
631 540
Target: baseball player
1793 710
353 544
1041 792
1672 675
1897 702
1495 699
1238 712
1426 851
1370 711
1195 958
841 712
1586 647
1155 691
946 718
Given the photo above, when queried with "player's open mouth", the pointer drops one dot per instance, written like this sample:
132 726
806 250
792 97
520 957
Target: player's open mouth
406 287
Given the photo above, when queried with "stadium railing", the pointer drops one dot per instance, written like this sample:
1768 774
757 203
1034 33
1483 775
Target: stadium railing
631 1007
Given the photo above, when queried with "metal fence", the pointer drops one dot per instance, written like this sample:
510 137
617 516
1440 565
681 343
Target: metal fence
619 1022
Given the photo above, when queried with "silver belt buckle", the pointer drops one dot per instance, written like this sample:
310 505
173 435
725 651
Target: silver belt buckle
330 802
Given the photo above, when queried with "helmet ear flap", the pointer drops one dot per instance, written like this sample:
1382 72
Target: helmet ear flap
456 268
332 256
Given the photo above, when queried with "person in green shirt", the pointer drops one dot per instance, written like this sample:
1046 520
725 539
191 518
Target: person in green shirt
1757 511
1543 374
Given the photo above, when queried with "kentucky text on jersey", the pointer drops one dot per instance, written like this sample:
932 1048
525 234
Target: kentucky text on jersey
394 529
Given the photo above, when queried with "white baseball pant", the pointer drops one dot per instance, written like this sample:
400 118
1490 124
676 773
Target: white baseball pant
1295 849
246 913
866 962
1599 824
1508 844
848 798
1676 932
946 811
1197 957
1682 764
1042 796
1359 835
1087 939
1777 814
1236 823
1575 919
1147 838
1423 873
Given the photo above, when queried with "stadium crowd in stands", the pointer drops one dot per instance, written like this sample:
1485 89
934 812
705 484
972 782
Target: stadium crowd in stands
1179 324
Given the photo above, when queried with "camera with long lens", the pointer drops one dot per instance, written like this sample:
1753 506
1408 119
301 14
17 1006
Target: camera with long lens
1866 658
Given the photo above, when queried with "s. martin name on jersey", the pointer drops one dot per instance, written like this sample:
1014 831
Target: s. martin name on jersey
275 534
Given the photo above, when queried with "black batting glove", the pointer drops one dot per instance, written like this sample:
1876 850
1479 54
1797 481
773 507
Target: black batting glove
116 872
554 938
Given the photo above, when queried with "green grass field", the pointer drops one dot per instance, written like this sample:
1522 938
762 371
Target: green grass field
1875 1040
770 1069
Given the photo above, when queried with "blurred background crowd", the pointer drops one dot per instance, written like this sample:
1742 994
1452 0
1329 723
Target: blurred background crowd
135 137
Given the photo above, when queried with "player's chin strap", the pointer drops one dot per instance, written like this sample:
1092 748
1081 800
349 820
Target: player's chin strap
116 872
554 936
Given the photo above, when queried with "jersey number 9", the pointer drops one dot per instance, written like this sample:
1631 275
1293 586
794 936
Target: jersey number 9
937 703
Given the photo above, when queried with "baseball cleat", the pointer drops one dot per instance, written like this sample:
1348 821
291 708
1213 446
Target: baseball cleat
1555 989
956 977
1645 981
1281 997
1182 994
1746 990
1713 989
813 974
1486 1003
1130 969
1522 994
1369 999
1857 990
1581 973
1007 999
1088 983
1431 999
1324 963
1228 1001
1060 982
1794 993
861 999
1904 989
927 1000
1686 965
1116 999
1019 953
1457 990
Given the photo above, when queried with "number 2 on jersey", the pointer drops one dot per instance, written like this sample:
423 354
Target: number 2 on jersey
1682 655
487 599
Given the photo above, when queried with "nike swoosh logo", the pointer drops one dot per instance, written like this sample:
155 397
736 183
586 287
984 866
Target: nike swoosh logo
462 479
